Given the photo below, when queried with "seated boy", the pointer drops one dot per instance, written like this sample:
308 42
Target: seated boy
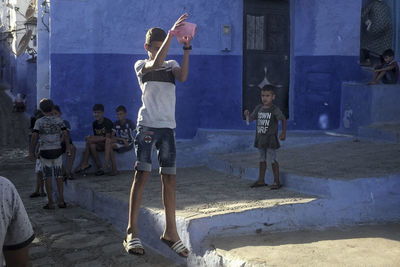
102 128
388 72
121 140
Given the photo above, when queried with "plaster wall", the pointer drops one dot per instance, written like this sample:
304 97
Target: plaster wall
94 63
94 45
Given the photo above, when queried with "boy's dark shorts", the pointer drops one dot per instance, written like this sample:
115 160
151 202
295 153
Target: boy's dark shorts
163 139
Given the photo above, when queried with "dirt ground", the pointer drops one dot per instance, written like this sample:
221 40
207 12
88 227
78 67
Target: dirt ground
363 245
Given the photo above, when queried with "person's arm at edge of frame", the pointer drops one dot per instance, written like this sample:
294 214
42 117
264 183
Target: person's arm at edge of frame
32 146
163 51
282 136
17 258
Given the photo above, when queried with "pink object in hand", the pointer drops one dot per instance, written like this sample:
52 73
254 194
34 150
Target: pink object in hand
186 30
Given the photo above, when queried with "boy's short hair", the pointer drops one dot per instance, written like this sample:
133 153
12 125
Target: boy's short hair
98 107
155 34
46 105
269 87
388 53
57 107
120 108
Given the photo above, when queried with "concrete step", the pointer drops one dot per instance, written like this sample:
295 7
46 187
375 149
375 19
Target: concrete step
360 245
389 132
208 203
211 204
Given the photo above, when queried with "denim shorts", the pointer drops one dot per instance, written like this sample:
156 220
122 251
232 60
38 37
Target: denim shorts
163 139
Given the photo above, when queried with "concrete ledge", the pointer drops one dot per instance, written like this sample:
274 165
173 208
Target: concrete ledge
389 132
372 200
125 161
363 104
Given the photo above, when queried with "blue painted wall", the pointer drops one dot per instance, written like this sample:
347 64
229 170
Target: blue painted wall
212 86
95 64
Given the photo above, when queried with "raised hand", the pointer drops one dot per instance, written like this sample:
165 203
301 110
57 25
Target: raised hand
179 22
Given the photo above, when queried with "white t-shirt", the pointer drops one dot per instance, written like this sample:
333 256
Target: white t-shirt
158 95
15 228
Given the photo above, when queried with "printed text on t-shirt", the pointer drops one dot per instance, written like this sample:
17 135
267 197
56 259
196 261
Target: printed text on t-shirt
263 120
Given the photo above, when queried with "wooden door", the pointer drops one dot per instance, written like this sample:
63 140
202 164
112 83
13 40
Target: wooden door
266 51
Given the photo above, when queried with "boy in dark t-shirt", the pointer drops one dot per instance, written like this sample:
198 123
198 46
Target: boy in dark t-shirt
102 128
121 140
268 116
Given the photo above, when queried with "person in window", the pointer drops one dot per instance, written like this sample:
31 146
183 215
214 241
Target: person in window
376 31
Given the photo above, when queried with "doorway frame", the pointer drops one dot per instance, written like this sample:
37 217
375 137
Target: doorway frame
292 8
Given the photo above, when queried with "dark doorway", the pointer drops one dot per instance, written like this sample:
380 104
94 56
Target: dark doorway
266 51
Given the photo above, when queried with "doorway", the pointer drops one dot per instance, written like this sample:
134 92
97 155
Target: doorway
266 51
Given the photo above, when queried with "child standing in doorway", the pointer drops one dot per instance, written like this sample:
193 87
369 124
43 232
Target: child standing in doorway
268 116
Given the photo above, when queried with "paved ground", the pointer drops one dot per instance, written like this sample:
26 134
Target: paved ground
69 237
73 236
377 245
346 159
200 192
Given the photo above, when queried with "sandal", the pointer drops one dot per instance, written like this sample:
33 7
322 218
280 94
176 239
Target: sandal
35 194
99 172
48 207
62 205
81 170
133 243
256 184
178 247
276 186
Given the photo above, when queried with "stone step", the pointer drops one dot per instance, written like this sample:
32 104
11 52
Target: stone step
389 132
360 245
211 204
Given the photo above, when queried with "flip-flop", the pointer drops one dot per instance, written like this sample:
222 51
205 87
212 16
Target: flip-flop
132 244
48 207
83 169
258 185
62 205
276 186
99 172
35 194
178 247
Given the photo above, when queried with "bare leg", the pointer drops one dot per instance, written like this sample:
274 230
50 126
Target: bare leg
39 177
261 174
107 152
95 156
135 200
260 181
71 160
275 171
113 162
60 188
85 160
377 77
169 201
49 190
